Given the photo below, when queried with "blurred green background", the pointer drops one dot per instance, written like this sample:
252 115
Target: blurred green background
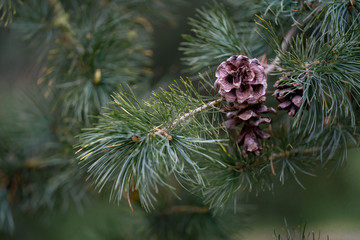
330 203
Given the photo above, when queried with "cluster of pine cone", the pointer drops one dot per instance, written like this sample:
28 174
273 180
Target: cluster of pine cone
242 82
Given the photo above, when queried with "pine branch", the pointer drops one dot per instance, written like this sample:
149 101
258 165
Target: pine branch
328 73
176 134
295 27
185 209
338 17
318 73
275 64
132 136
195 111
257 173
215 38
103 53
60 20
45 22
276 156
297 153
295 11
40 161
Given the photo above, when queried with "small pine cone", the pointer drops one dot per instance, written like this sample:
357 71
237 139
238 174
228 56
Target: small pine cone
242 82
289 94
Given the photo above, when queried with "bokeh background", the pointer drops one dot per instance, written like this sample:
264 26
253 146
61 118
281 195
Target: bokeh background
329 204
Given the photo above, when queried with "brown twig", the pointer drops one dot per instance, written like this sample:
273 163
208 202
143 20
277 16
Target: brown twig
271 67
273 157
195 111
163 131
185 209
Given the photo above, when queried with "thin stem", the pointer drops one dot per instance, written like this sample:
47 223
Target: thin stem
286 41
287 153
185 209
275 156
284 45
193 112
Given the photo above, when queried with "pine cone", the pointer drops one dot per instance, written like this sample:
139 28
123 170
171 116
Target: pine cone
243 82
289 94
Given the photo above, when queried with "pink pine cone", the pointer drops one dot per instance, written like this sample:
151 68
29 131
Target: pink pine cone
243 82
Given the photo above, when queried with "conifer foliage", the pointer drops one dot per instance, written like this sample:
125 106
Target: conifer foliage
204 135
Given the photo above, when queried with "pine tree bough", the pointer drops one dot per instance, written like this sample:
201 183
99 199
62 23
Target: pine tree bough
284 45
164 131
275 156
243 82
173 141
61 21
195 111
